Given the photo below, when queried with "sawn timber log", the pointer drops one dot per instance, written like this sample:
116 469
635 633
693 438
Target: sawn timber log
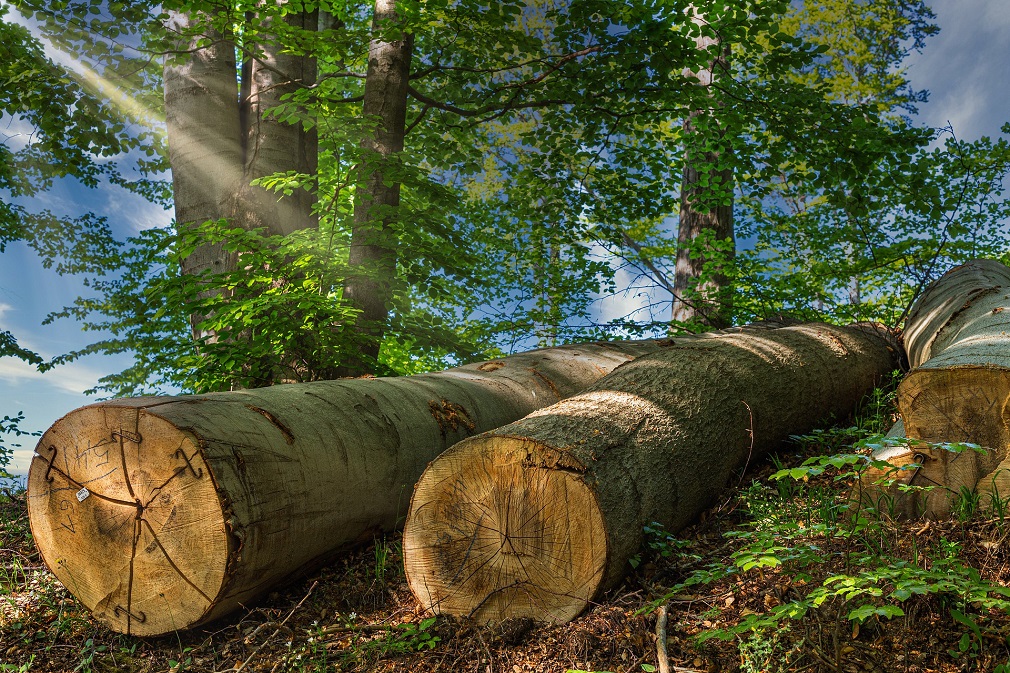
957 391
536 518
162 513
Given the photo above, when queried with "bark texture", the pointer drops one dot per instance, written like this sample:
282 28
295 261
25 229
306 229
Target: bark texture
957 391
694 300
221 136
372 257
272 145
536 518
204 133
162 513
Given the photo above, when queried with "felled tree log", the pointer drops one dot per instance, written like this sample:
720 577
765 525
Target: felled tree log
161 513
536 518
957 392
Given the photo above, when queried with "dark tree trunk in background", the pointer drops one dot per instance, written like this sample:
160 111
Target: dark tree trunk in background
702 303
220 138
273 146
373 254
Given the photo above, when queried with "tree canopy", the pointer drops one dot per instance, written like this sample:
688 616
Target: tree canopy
533 186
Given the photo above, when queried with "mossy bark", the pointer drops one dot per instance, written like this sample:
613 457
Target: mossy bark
536 518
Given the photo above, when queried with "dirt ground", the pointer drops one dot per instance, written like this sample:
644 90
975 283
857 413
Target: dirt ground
358 615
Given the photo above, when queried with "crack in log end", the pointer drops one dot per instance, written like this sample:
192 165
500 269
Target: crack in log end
491 366
549 458
289 437
547 382
451 416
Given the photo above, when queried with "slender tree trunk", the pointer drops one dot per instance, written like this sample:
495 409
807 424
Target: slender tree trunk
957 391
538 517
702 302
373 256
274 146
204 136
188 507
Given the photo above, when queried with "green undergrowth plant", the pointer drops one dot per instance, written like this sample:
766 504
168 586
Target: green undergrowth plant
847 562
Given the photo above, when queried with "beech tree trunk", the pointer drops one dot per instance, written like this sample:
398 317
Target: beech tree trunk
957 391
204 133
220 137
695 299
372 258
536 518
161 513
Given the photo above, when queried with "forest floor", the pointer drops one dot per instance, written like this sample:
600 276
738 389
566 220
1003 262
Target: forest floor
781 574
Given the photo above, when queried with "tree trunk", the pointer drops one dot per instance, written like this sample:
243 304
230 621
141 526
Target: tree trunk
218 144
701 301
372 259
204 134
538 517
274 146
195 505
957 391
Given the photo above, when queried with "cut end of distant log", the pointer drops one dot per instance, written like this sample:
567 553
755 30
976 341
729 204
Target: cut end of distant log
127 516
957 392
501 528
953 405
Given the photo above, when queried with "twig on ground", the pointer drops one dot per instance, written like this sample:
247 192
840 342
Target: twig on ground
277 630
662 656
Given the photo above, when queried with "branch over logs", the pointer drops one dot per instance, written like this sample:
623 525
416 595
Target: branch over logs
536 518
957 391
161 513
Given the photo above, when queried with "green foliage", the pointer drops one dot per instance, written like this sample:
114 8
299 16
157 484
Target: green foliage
795 533
10 426
544 156
659 543
276 316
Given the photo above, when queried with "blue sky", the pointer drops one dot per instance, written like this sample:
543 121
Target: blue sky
964 68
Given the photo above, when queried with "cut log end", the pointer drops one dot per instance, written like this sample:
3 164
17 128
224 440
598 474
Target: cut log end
963 404
493 538
125 513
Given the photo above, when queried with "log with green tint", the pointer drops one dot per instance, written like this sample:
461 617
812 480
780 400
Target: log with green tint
536 518
958 391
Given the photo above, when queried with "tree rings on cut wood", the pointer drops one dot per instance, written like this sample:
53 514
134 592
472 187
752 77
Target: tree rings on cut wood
126 515
193 506
518 539
957 392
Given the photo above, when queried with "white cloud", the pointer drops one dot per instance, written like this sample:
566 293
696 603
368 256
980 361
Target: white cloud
134 210
964 67
72 378
15 132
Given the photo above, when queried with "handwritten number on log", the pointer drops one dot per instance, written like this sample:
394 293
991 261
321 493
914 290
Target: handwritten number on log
52 459
69 525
